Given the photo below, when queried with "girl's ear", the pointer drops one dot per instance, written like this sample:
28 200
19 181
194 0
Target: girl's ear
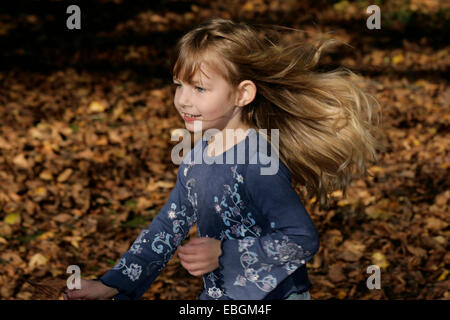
246 92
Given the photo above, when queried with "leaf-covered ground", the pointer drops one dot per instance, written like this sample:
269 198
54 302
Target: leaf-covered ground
85 122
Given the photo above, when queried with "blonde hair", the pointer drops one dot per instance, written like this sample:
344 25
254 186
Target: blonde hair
325 120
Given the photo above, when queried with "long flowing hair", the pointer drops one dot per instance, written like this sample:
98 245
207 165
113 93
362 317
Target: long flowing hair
327 124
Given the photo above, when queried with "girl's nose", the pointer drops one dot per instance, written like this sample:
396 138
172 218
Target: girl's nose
184 97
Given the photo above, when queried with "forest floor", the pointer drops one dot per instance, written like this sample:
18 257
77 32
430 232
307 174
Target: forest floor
85 127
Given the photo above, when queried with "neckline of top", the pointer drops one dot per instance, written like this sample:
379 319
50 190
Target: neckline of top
250 132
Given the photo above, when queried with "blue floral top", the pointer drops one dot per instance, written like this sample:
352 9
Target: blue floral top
267 235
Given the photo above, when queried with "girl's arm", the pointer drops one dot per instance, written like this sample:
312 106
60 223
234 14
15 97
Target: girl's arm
253 267
150 252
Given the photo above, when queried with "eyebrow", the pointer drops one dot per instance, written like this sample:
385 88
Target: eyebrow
194 82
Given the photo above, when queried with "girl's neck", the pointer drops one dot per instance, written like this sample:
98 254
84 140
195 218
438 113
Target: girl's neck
227 138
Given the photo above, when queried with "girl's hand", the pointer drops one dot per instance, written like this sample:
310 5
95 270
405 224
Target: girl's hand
200 255
90 290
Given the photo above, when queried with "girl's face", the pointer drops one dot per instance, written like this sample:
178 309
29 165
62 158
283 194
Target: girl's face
209 102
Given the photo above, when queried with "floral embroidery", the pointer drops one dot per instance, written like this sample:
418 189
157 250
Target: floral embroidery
136 247
290 254
240 281
213 291
163 242
248 260
186 169
133 271
162 238
172 214
230 207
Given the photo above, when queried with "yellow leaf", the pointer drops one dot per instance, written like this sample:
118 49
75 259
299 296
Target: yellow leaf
341 294
341 6
375 169
74 240
3 241
75 244
56 272
432 131
12 218
343 202
337 193
443 275
40 191
248 6
46 175
379 259
37 260
397 59
46 235
96 106
420 83
39 194
445 165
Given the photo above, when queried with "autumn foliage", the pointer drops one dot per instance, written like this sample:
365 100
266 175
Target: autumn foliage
85 123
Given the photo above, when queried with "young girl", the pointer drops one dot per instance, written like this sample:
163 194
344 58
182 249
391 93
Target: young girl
255 236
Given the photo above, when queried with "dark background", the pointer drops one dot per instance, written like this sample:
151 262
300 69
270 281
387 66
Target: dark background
85 122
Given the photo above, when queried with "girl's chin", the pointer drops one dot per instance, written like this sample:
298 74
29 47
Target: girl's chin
191 130
194 126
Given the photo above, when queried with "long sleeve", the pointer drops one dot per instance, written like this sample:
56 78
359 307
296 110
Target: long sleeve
153 248
253 266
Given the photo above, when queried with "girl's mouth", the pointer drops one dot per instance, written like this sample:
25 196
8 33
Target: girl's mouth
190 117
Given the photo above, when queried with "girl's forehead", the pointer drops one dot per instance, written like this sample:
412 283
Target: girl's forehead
203 73
205 66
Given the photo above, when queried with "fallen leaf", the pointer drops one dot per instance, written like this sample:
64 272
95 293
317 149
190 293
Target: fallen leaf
46 235
12 218
335 273
435 223
398 59
341 294
352 250
37 260
62 217
379 259
39 194
443 275
5 229
13 258
46 175
64 175
21 162
96 106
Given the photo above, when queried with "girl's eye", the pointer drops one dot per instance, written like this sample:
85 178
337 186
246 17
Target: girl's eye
199 89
